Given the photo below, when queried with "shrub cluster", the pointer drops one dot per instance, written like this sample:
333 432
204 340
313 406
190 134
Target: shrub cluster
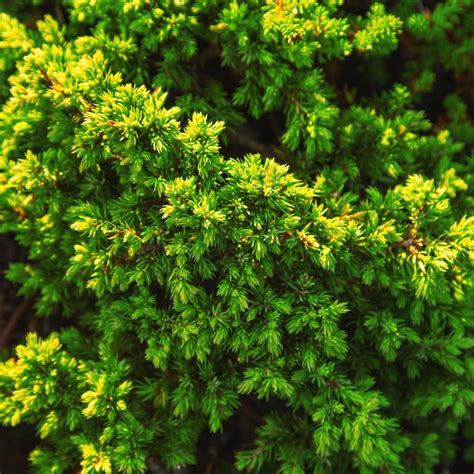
252 222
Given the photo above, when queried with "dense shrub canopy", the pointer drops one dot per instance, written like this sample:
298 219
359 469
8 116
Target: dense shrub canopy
250 224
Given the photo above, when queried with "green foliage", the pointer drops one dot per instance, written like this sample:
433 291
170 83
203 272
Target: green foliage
235 230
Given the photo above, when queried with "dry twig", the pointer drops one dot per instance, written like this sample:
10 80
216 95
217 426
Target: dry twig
13 321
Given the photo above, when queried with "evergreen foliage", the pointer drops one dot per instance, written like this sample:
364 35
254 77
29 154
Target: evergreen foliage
241 210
